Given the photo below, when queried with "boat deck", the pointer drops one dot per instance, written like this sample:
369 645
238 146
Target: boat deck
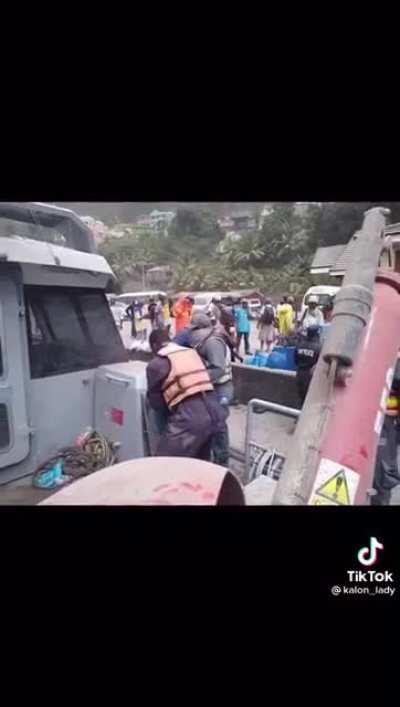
269 430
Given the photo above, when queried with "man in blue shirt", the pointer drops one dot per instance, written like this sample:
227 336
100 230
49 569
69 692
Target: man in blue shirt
243 326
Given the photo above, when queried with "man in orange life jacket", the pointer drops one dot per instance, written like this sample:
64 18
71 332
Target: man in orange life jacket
179 383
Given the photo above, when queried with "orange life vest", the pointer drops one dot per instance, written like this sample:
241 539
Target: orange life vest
393 405
188 374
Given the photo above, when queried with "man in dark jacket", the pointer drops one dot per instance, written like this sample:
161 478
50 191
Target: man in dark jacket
306 357
211 346
225 324
130 312
179 388
151 312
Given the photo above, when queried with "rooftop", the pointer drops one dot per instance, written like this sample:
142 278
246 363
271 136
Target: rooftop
325 258
241 214
26 251
346 256
49 223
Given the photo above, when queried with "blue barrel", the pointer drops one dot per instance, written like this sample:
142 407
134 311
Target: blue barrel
257 360
264 360
250 360
290 358
282 357
276 359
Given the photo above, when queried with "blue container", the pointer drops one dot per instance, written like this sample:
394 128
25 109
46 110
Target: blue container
276 359
282 357
249 360
264 360
290 358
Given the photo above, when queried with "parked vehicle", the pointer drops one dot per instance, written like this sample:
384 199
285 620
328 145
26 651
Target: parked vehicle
63 365
127 297
255 307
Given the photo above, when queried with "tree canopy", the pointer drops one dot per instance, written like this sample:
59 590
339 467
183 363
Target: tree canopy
275 256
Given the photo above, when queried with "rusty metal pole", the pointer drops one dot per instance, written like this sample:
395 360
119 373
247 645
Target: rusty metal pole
350 316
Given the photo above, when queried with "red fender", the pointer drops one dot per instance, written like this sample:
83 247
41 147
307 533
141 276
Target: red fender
162 481
358 408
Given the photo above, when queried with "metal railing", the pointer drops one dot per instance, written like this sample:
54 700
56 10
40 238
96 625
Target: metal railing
263 407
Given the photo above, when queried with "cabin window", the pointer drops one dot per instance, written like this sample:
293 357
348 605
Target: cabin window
4 427
70 329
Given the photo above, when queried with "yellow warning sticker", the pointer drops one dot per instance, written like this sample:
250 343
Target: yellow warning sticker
319 501
335 489
334 485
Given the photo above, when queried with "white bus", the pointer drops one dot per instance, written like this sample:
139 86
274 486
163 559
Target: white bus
127 297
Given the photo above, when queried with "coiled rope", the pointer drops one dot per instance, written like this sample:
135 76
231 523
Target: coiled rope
96 453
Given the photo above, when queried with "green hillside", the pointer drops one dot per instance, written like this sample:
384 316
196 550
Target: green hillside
128 212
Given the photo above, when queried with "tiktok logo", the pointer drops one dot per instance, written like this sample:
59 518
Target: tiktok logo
372 551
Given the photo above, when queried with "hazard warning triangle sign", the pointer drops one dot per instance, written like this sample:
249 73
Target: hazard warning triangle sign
336 489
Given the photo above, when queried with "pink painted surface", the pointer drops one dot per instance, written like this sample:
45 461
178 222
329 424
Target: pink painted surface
166 481
350 437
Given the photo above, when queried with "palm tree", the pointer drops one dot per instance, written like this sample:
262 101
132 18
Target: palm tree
253 255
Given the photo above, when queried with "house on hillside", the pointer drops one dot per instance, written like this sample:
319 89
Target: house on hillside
98 228
243 221
155 221
301 207
266 211
225 224
161 220
334 260
144 223
120 230
159 276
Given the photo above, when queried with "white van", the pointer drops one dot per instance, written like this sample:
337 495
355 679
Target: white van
324 293
255 306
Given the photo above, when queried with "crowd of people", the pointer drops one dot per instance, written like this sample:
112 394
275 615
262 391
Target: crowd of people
190 380
156 314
